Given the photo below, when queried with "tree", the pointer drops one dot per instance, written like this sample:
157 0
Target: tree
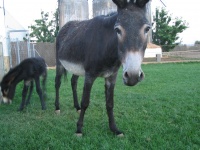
197 42
44 29
167 29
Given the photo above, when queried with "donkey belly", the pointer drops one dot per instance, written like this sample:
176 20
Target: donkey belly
74 68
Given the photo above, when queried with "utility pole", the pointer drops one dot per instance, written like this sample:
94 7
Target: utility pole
4 38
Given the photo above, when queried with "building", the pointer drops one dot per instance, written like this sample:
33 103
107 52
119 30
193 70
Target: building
11 30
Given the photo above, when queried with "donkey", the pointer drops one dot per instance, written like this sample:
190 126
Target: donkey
28 70
97 48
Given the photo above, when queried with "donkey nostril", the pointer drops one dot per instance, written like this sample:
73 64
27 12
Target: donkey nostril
126 74
141 76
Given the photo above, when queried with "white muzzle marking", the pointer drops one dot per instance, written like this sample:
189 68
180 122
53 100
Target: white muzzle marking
6 100
132 63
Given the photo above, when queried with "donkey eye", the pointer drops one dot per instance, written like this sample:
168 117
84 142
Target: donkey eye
147 29
117 30
6 91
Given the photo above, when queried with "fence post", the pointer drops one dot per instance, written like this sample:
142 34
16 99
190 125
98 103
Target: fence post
18 53
33 50
28 48
158 57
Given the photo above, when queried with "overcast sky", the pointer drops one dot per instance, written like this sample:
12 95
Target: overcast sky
189 11
26 11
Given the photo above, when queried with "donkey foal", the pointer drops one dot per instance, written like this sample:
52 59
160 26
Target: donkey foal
28 70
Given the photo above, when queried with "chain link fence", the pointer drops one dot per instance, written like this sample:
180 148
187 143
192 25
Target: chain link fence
20 50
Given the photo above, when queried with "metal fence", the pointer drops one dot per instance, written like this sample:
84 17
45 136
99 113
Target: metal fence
20 50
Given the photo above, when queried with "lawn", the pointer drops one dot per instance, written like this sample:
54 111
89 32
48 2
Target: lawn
161 112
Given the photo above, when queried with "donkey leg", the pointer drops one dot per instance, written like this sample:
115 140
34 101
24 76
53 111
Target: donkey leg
85 101
109 92
74 80
24 93
59 72
39 91
44 84
30 93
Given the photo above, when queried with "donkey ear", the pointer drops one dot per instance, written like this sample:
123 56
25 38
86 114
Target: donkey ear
121 3
141 3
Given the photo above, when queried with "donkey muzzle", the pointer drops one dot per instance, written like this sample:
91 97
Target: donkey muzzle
131 79
7 100
132 72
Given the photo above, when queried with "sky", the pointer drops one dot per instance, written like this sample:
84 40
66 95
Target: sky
188 11
26 11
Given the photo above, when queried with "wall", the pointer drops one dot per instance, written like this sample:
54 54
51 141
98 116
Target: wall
151 52
1 61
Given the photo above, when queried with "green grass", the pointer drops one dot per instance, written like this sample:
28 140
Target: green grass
162 112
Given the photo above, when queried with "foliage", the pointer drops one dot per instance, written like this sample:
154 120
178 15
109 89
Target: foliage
161 112
167 29
44 29
197 42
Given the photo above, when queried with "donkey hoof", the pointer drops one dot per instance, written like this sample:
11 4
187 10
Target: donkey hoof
120 135
43 108
79 134
57 112
20 109
79 111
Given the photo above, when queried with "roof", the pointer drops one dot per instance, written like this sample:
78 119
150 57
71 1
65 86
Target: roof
11 23
151 45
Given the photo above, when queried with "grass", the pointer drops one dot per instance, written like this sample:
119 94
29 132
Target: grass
162 112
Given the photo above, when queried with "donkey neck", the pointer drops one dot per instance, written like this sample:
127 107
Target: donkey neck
15 75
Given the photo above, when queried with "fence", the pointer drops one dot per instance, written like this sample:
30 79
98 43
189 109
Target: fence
187 47
187 54
20 50
183 53
47 51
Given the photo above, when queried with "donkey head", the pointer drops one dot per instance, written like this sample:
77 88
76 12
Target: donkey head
7 87
131 27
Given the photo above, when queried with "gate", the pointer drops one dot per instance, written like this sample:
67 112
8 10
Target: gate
20 50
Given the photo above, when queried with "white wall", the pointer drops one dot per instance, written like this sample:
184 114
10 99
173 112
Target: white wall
151 52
